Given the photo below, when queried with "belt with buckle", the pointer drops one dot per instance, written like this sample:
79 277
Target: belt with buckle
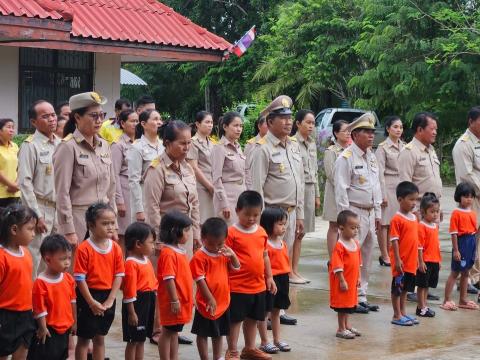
363 207
47 202
288 209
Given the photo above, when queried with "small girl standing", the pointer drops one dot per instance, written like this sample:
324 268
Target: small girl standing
274 221
463 227
98 271
175 289
17 326
139 286
345 273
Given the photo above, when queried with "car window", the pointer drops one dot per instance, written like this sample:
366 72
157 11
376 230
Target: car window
318 119
348 116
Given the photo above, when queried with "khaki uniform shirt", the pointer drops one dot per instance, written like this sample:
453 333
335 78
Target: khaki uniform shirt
277 173
167 188
308 150
420 165
83 175
201 152
466 157
119 151
35 173
387 156
248 152
139 157
357 180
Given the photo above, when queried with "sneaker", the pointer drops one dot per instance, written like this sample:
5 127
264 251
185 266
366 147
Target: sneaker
433 297
254 354
425 312
232 355
412 297
287 320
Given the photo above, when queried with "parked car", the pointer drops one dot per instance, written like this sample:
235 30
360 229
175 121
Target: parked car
325 119
246 110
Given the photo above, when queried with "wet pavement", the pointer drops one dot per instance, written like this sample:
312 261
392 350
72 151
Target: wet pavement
450 335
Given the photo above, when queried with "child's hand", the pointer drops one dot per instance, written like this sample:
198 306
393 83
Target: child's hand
271 286
97 308
42 334
343 285
133 319
456 255
73 329
422 267
175 307
226 251
399 266
359 283
108 303
211 306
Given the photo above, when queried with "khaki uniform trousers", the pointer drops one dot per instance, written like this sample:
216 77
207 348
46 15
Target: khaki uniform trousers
309 208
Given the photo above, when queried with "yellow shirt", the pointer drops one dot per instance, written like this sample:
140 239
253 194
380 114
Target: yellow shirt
8 168
110 131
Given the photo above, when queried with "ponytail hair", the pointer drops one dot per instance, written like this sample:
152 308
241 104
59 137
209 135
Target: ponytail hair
71 123
143 117
299 117
15 214
92 214
226 120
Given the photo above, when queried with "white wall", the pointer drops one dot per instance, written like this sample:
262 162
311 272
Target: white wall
106 80
9 60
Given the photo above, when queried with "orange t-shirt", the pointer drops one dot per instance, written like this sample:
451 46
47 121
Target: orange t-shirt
139 276
249 246
279 260
213 268
349 261
53 298
96 266
463 222
173 264
404 229
428 240
16 280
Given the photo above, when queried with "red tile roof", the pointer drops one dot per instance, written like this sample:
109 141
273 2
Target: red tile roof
143 21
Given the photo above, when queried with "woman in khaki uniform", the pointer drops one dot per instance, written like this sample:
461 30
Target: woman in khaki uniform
199 158
228 166
342 138
387 155
83 166
260 130
128 120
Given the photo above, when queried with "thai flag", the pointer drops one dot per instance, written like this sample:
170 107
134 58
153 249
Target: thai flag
244 43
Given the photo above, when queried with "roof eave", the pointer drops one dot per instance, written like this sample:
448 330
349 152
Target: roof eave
20 28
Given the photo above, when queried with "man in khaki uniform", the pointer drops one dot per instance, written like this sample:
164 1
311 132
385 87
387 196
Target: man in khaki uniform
35 173
466 158
357 188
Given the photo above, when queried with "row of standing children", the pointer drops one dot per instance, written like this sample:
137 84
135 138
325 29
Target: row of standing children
236 283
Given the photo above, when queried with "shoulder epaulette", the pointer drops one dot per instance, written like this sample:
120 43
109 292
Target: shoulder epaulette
262 141
251 141
194 137
347 153
155 162
29 139
382 143
464 137
331 147
293 138
213 140
409 146
68 137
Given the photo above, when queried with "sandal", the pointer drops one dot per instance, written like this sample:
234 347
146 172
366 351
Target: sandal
269 348
403 321
449 305
413 319
283 346
354 331
470 305
153 339
345 334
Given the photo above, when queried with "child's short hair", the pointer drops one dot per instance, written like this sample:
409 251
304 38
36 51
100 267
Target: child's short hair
463 189
138 231
249 199
428 200
172 225
270 216
215 227
54 243
93 212
406 188
343 217
14 215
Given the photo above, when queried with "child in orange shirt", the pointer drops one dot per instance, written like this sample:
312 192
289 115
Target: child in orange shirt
463 228
429 257
274 222
98 271
17 326
139 287
248 286
175 289
404 252
210 266
344 273
54 301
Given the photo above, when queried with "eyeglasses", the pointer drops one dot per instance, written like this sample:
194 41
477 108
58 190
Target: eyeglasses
97 116
346 131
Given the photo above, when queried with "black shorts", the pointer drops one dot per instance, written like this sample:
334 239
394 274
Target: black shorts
89 325
211 328
55 347
16 328
175 328
344 310
250 306
281 299
145 309
4 202
428 279
403 283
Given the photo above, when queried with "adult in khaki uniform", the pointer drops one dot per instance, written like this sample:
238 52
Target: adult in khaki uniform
145 149
357 188
199 158
466 158
228 168
341 135
36 174
387 157
260 130
83 167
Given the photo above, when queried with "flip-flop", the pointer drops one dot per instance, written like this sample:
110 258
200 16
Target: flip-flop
283 346
470 305
269 348
345 334
413 319
449 306
152 339
403 321
297 281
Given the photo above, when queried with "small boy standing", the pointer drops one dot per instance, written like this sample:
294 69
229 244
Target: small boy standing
54 301
404 252
249 284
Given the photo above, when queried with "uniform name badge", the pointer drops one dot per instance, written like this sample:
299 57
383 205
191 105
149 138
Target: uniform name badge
362 180
282 167
49 169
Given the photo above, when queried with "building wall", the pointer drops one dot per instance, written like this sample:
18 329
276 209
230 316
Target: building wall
9 61
107 79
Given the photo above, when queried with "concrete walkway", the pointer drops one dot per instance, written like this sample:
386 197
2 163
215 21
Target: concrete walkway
450 335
